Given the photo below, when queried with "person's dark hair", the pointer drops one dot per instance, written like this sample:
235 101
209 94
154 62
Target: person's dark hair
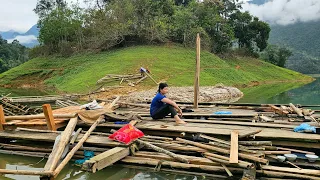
161 86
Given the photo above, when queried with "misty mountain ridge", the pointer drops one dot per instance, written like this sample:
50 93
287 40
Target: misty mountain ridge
28 39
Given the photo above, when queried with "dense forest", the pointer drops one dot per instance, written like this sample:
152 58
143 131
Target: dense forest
68 28
11 54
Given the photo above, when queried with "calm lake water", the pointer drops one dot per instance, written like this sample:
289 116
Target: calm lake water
274 93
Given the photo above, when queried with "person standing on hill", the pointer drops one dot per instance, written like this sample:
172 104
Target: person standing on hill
161 106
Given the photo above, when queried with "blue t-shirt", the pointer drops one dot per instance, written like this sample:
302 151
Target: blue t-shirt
156 103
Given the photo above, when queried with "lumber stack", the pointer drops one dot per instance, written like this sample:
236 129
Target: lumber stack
245 143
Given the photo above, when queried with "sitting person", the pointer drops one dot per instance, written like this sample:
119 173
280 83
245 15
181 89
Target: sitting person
161 106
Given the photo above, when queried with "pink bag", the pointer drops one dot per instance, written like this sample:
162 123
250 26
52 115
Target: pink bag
127 134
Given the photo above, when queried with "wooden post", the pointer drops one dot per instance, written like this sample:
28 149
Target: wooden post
197 75
2 119
49 117
234 147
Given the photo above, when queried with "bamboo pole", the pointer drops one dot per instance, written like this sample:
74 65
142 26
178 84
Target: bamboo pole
76 148
225 159
57 152
256 143
40 116
197 74
2 119
25 172
49 117
153 162
285 174
161 150
204 146
295 150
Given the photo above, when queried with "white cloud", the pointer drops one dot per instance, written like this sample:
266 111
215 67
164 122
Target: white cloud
285 12
24 39
18 15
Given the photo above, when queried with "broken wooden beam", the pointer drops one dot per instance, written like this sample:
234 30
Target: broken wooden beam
297 110
49 117
105 159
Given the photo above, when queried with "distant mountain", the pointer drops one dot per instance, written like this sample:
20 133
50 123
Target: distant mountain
34 30
9 34
28 39
303 39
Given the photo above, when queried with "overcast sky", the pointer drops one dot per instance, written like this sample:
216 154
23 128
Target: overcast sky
18 15
286 12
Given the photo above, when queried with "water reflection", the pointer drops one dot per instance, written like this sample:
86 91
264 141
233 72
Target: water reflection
72 172
296 93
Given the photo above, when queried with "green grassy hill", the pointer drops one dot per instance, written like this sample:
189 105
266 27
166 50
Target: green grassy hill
173 64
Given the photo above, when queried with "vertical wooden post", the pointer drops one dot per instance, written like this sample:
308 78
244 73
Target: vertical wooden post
2 118
49 117
197 75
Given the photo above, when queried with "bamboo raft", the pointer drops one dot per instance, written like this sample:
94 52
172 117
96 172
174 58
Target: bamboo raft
243 144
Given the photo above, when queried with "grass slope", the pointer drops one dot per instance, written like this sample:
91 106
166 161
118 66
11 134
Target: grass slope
173 64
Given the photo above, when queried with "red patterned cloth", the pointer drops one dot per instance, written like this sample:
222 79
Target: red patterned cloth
127 134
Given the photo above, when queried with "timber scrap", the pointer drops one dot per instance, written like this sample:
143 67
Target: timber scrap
243 145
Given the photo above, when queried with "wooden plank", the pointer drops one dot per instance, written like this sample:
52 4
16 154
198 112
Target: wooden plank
197 73
2 119
49 117
57 152
105 159
234 147
267 133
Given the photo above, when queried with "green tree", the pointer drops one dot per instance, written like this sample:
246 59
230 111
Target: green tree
276 55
